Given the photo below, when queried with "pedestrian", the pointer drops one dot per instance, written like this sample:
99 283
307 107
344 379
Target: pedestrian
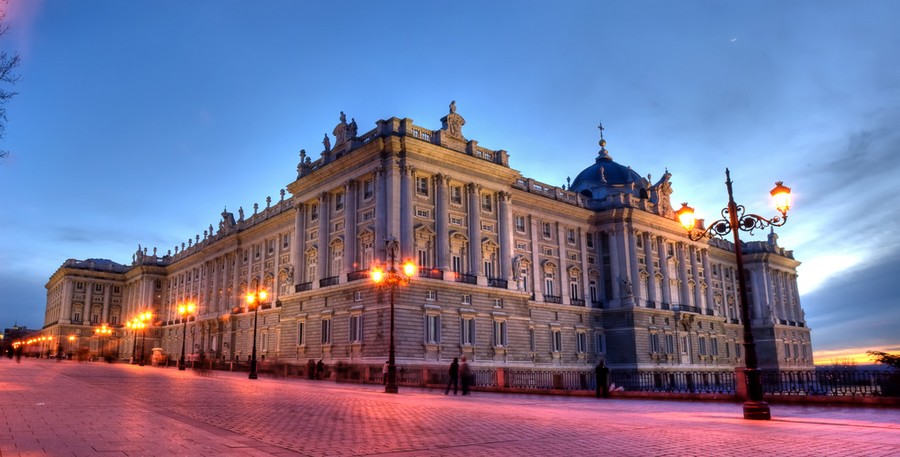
454 377
602 377
311 369
320 369
465 375
384 372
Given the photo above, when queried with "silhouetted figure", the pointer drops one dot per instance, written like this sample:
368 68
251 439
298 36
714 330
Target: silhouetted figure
384 372
311 369
465 375
602 374
454 377
320 369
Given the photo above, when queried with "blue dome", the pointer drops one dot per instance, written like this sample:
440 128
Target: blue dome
604 173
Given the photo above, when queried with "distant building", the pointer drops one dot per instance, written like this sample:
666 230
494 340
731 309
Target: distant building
512 272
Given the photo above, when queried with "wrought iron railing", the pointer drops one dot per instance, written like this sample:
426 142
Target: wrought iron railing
331 281
552 299
357 275
432 273
468 279
497 282
303 287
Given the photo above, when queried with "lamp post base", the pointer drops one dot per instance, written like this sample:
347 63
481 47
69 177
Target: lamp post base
757 410
253 376
391 389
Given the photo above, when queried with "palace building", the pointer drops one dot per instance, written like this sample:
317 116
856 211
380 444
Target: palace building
512 272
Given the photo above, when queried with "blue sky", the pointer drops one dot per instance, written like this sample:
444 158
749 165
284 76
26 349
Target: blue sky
138 122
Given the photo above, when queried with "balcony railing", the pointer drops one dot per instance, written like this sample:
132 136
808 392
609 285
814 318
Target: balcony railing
357 275
468 279
303 286
497 282
332 281
577 301
597 304
686 309
552 299
432 273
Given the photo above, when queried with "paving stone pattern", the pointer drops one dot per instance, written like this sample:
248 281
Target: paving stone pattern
96 409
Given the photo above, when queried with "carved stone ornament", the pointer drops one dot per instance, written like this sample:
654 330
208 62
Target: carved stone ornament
452 123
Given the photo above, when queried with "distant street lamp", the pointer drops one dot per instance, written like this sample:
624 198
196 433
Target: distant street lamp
133 325
733 220
71 342
144 321
255 300
184 311
390 279
102 331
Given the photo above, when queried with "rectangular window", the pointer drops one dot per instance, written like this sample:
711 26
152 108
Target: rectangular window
581 342
457 264
592 287
313 212
714 346
326 331
456 194
520 224
301 340
98 287
423 258
702 346
79 286
489 269
670 344
546 230
500 333
423 213
600 343
77 317
573 290
548 284
456 220
357 296
654 343
466 299
430 295
285 242
487 227
422 186
433 329
787 350
570 236
338 201
498 303
368 215
737 350
467 331
356 328
556 341
486 203
368 189
590 240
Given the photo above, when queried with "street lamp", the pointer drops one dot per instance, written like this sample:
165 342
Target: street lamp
184 311
71 341
102 331
133 325
143 322
733 220
390 279
254 300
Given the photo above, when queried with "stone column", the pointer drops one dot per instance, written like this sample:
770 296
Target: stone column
585 266
351 263
407 242
614 266
634 268
664 267
685 289
299 242
651 269
474 191
392 204
537 275
562 260
504 219
381 212
695 275
66 317
441 219
324 211
88 301
707 272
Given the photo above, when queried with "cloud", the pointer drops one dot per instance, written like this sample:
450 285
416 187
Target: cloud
859 302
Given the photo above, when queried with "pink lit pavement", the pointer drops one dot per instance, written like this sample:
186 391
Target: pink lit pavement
96 409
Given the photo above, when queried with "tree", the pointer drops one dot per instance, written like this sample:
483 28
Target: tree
891 360
8 77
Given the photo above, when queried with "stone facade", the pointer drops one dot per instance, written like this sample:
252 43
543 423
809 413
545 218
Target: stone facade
512 272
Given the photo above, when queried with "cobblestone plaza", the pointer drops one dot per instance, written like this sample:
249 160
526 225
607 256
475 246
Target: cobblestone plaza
89 409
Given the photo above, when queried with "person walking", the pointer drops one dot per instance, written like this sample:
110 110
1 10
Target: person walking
320 370
602 377
384 372
465 375
454 377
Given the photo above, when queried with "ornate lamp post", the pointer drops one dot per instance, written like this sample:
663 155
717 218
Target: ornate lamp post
71 342
184 311
133 325
102 331
733 220
390 279
254 300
